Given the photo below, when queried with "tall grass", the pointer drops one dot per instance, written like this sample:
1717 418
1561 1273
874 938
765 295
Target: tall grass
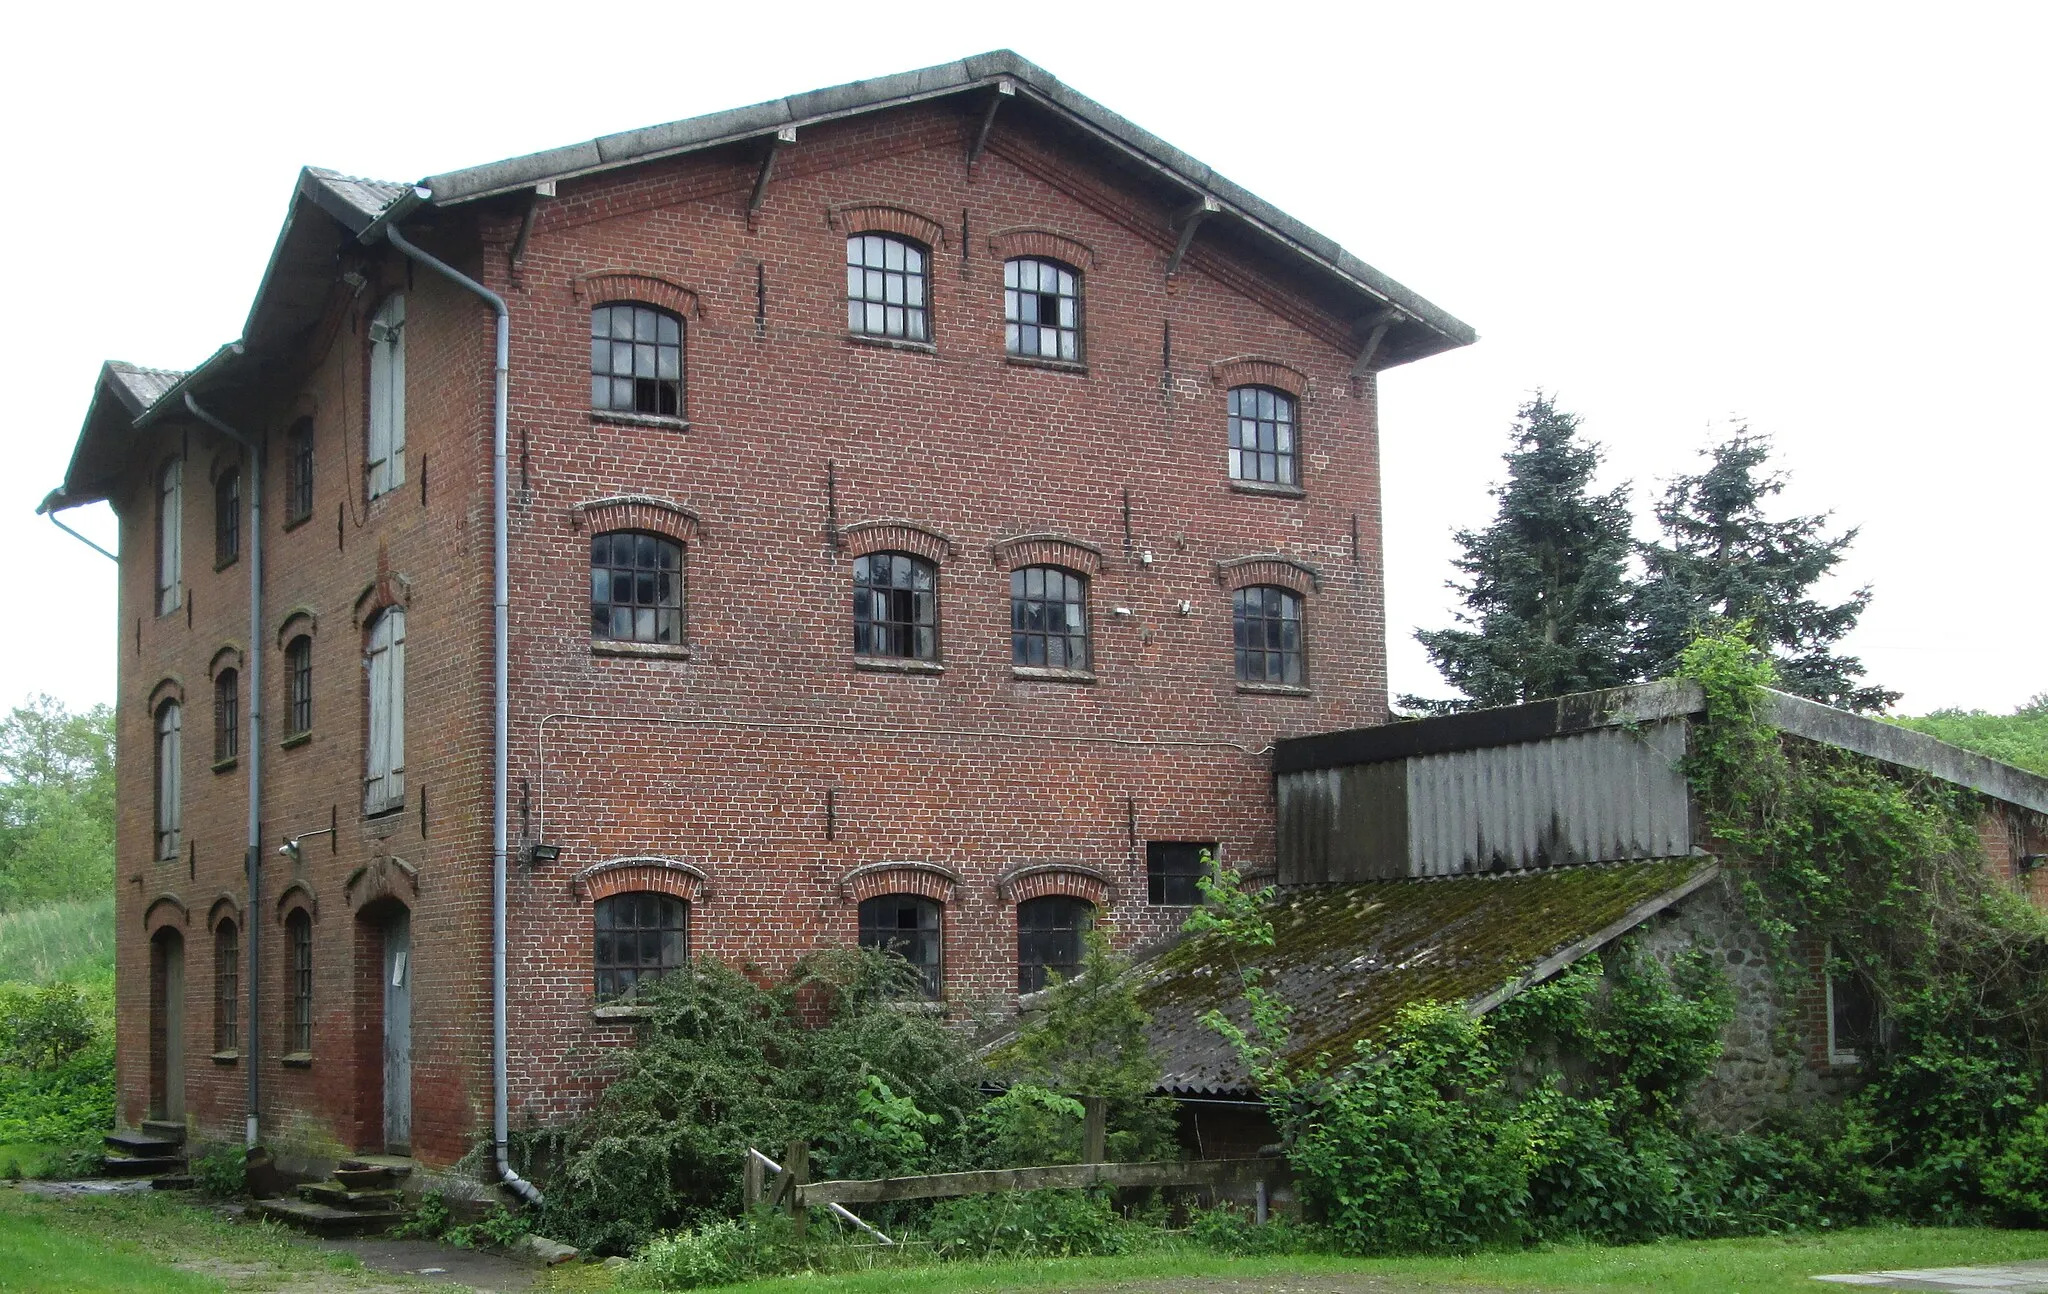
59 941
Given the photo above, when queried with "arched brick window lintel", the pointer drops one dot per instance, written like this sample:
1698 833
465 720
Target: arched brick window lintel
898 536
886 218
226 907
872 880
298 620
168 688
166 909
603 287
1038 880
1033 240
297 897
1047 550
386 878
227 656
1269 568
659 516
641 874
1260 370
388 590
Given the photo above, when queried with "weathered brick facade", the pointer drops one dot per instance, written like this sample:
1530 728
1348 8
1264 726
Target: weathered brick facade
761 772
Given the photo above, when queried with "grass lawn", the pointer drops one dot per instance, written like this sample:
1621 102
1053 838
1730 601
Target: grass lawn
59 941
1753 1266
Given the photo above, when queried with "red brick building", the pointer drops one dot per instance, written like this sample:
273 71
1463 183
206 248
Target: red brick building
925 503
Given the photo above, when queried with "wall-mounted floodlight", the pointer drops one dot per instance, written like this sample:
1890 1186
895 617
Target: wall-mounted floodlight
290 848
538 854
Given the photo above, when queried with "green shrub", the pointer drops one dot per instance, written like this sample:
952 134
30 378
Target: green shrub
499 1226
428 1220
221 1174
73 1102
1029 1224
2017 1177
1228 1229
41 1028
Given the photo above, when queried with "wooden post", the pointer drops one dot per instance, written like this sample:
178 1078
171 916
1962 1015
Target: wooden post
756 1185
1260 1202
796 1161
1094 1129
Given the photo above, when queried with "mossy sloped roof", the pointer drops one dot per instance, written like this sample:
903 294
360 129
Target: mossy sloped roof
1347 958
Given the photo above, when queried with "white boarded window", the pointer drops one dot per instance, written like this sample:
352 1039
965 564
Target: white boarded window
170 528
170 727
384 772
387 396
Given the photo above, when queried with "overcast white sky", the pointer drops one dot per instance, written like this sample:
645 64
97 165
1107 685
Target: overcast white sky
1824 220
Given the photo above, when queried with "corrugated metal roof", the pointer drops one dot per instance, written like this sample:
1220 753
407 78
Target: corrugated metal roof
143 386
1347 958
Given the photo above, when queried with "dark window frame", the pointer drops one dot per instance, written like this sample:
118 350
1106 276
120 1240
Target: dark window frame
617 383
1172 868
227 518
1259 635
298 683
227 715
298 926
616 978
922 945
1059 923
227 986
1033 640
910 628
298 489
657 610
1265 438
868 287
170 780
1024 325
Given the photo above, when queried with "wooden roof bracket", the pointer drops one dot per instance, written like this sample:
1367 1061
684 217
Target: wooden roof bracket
1375 328
1187 220
786 135
1005 88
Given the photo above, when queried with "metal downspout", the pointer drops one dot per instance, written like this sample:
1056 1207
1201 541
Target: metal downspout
253 663
500 703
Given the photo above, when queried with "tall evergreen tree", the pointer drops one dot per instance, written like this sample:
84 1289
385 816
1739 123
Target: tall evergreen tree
1547 590
1722 558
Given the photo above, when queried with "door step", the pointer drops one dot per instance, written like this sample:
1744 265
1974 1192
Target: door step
164 1129
325 1219
337 1196
172 1182
142 1143
141 1165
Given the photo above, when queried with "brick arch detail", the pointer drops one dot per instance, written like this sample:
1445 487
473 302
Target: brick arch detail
1032 240
895 535
297 895
672 876
388 589
1039 880
873 217
637 512
386 878
227 656
1269 568
1047 550
603 287
297 621
168 688
226 907
1259 370
873 880
166 909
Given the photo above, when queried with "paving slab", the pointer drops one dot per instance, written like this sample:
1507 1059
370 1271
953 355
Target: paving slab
440 1264
2008 1278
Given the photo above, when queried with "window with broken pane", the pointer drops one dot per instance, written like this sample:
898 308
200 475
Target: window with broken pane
1042 309
907 925
895 606
1262 436
1052 935
636 360
885 287
636 588
640 937
1267 624
1049 618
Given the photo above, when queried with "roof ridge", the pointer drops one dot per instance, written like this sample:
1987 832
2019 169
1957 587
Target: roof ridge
126 367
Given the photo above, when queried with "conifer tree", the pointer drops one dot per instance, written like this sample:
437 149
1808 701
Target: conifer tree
1547 590
1722 559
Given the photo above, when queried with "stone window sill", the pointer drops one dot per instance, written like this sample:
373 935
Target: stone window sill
639 419
891 665
227 1057
621 1013
892 343
650 651
220 566
1271 489
297 1060
1042 674
1272 689
293 523
1055 365
225 765
296 739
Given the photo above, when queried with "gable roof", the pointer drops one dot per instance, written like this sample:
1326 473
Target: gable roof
123 393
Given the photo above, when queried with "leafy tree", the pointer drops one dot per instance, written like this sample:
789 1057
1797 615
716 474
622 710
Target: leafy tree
56 803
2020 738
1722 559
1547 588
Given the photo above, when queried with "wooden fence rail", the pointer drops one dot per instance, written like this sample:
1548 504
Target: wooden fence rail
1191 1172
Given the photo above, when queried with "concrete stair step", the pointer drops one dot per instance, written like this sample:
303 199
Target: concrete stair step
165 1130
172 1182
325 1219
398 1165
335 1195
141 1165
141 1143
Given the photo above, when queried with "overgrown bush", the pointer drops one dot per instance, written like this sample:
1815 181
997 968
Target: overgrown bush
56 1064
221 1174
1029 1224
721 1252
